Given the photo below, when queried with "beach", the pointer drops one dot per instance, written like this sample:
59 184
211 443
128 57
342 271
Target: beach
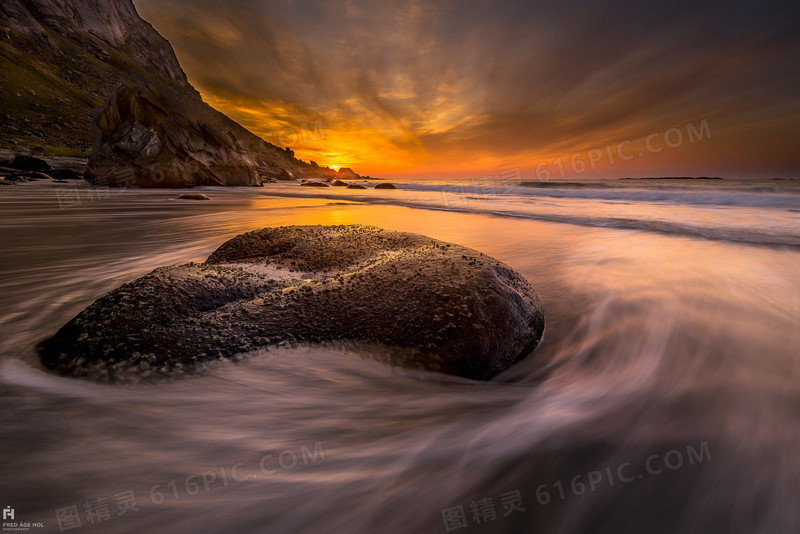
663 397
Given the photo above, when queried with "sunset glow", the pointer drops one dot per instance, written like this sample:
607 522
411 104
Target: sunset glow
399 91
400 266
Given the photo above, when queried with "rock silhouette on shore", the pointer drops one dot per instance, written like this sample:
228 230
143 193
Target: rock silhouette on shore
26 168
346 173
437 306
26 162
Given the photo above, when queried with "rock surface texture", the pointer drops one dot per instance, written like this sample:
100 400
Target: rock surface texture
150 138
62 58
437 306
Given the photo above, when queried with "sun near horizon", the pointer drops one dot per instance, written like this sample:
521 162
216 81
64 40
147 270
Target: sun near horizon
398 91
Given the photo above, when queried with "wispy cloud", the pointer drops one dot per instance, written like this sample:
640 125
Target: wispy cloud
417 86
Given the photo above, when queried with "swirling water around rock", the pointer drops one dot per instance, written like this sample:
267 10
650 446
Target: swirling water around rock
445 307
664 348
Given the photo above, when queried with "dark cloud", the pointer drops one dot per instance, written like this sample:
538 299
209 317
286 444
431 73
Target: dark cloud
433 82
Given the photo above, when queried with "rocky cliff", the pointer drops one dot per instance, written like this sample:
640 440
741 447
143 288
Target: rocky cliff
62 58
74 67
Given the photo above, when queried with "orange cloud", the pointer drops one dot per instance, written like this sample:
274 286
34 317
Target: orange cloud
426 88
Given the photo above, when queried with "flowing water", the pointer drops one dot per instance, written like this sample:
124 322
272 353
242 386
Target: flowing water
665 396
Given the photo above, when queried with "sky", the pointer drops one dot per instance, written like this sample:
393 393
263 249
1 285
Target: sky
479 89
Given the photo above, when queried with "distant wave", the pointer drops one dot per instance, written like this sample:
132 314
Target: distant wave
752 196
562 185
750 236
753 236
675 178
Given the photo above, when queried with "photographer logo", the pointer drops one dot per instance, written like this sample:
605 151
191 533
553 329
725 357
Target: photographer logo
10 525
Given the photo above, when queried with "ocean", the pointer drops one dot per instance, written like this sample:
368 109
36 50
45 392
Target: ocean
663 398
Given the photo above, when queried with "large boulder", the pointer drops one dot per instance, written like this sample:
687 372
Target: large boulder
25 162
280 174
437 306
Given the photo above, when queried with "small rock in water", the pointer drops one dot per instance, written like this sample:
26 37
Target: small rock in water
385 186
194 196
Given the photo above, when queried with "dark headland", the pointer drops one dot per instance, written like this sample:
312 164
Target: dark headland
93 78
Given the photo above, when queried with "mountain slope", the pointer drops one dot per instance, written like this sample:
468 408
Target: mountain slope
62 59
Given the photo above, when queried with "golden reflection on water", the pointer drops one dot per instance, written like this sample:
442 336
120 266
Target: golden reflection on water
276 211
